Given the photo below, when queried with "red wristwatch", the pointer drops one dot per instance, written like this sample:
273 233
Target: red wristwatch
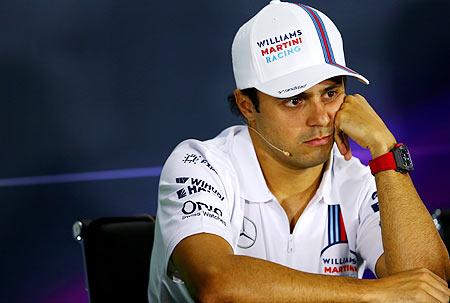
397 159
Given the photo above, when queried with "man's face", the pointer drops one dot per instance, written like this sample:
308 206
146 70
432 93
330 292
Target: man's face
302 125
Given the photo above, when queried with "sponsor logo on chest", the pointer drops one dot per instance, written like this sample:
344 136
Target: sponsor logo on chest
336 258
248 234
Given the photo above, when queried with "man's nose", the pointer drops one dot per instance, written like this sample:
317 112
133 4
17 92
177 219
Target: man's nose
317 113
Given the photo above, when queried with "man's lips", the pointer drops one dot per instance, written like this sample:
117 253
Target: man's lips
319 141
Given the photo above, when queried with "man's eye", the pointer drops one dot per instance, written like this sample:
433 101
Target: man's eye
331 93
293 102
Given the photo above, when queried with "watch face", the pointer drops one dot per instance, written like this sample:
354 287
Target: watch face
403 159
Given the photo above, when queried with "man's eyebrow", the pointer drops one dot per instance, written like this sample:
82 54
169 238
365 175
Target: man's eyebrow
303 95
331 87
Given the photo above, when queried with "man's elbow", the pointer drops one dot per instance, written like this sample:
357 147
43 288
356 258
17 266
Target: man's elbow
214 288
211 294
445 264
442 266
447 270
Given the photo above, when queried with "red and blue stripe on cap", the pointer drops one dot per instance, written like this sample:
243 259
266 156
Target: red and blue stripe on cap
323 37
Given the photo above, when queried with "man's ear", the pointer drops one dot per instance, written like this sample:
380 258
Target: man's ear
245 105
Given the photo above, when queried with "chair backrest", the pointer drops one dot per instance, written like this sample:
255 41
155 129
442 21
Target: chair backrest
441 218
117 254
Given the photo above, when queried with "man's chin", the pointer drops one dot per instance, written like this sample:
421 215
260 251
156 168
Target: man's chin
317 156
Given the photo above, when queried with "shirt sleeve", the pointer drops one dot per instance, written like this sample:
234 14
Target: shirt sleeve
192 198
368 239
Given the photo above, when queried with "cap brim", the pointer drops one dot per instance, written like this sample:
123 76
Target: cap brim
296 82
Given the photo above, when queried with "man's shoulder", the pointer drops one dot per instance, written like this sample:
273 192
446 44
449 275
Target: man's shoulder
219 145
210 156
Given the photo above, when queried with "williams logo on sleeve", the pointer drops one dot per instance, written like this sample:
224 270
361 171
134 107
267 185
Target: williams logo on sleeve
196 185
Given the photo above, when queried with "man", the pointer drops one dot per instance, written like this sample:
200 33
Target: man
275 211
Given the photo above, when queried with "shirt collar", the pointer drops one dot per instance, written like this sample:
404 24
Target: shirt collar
251 179
323 193
253 186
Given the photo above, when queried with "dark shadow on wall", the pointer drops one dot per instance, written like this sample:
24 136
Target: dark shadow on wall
418 50
418 47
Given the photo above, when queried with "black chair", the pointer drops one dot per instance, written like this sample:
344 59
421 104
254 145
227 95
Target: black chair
441 218
117 254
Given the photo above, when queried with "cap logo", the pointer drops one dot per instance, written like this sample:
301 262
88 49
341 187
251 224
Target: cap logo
292 88
279 47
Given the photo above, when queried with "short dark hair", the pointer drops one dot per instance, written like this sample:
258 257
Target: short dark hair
252 94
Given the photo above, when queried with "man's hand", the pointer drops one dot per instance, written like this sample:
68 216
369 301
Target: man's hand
418 285
410 239
357 119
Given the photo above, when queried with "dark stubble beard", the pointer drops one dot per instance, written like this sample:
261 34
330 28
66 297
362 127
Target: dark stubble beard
308 160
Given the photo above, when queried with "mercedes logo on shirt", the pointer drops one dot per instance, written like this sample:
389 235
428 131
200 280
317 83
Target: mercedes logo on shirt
247 236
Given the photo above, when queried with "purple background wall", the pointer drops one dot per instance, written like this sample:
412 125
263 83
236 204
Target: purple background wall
111 87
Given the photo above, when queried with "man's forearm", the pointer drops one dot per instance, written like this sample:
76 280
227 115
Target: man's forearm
247 279
410 238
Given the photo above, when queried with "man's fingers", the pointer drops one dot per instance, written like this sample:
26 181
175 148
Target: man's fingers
339 142
439 279
437 283
433 284
343 144
348 154
437 294
431 274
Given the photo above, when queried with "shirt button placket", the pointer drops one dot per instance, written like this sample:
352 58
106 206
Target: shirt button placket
290 246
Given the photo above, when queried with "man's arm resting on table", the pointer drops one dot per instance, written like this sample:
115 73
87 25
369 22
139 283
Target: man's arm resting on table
410 238
213 274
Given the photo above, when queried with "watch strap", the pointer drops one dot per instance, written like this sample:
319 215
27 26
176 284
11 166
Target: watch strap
384 162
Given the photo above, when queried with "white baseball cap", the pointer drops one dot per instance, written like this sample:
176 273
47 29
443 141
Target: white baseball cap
287 48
